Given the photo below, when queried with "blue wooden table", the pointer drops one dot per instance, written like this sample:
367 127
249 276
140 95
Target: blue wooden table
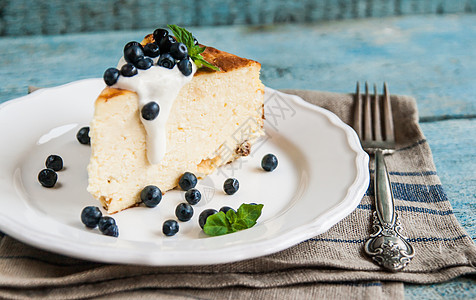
432 58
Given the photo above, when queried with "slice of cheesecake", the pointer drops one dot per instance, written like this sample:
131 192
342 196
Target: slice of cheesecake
215 118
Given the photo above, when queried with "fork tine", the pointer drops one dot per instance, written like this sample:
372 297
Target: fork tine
387 115
376 120
367 115
358 111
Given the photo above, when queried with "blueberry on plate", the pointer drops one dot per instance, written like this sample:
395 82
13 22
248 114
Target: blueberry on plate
151 50
133 51
111 76
187 181
178 51
47 178
165 43
166 60
185 66
170 227
83 136
226 208
150 111
151 196
105 222
269 162
231 186
184 212
193 196
159 34
112 230
128 70
144 63
195 41
90 216
202 219
54 162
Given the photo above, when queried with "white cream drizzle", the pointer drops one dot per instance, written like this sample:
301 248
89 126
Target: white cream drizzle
161 85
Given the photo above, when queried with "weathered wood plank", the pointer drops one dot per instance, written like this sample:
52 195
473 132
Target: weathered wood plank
27 17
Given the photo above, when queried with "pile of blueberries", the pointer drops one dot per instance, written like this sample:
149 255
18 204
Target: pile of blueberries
169 51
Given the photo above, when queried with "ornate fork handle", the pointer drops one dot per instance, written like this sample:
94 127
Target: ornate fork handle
387 246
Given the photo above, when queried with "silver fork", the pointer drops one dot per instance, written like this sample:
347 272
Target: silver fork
386 245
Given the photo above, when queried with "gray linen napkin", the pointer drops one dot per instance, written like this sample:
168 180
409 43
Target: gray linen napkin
329 266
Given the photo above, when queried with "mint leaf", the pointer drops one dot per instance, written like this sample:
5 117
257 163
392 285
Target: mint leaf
221 223
194 51
217 224
249 213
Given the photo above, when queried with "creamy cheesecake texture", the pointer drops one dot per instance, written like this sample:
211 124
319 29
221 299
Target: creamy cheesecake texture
215 119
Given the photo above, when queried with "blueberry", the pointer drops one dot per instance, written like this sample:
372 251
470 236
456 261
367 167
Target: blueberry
144 63
178 51
47 178
83 136
202 219
159 34
151 50
170 227
105 222
184 212
269 162
187 181
133 51
151 196
231 186
185 66
90 216
226 208
150 111
165 43
195 41
54 162
166 60
128 70
193 196
111 230
111 76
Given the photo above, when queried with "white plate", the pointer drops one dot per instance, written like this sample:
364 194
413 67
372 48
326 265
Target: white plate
321 178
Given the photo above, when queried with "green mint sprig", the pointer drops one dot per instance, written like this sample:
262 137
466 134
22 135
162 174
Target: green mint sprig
244 218
195 51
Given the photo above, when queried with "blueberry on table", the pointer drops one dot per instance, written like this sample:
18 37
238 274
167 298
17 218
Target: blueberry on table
202 219
193 196
47 178
178 50
159 34
226 208
133 51
170 227
111 76
54 162
166 60
184 212
150 111
144 63
83 136
187 181
105 222
112 230
165 43
151 196
151 50
90 216
231 186
128 70
269 162
185 66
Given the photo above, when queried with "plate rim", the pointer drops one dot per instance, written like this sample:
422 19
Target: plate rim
319 225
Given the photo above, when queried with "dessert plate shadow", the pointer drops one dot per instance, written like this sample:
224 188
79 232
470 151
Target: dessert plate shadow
321 178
